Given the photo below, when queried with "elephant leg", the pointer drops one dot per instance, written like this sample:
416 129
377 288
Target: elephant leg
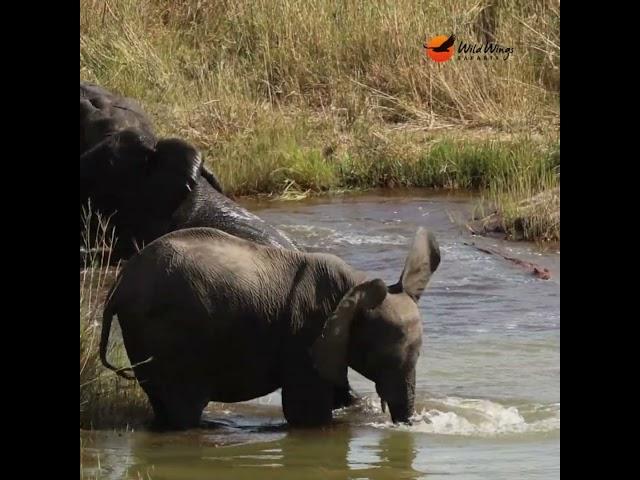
154 393
342 397
179 406
160 417
307 398
307 404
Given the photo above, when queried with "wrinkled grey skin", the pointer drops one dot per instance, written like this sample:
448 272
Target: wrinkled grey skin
147 186
103 113
206 316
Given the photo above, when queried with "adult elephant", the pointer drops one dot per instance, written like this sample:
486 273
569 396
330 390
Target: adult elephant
148 190
104 113
148 186
208 316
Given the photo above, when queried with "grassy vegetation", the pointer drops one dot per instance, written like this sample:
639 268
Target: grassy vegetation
303 96
299 97
295 97
106 399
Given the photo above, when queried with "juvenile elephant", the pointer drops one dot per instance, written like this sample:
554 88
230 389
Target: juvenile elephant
206 316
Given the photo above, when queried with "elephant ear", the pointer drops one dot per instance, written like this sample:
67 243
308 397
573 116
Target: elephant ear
172 171
423 259
94 126
329 351
110 171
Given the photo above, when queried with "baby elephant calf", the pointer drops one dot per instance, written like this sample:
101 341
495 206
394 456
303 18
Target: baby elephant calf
206 316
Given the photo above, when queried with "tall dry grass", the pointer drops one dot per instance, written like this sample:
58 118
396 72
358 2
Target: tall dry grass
106 400
295 96
220 62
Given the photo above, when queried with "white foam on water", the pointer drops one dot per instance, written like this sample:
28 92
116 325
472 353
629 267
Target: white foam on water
357 239
330 236
478 418
310 230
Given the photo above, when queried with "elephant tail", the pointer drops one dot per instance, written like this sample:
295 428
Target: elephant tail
107 318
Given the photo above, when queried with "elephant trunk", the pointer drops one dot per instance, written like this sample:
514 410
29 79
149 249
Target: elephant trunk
399 395
401 412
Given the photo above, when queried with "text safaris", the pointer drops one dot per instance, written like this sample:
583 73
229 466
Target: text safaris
487 48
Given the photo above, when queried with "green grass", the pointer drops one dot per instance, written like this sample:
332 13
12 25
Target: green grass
294 162
297 97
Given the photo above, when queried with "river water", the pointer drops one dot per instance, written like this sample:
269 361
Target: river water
488 378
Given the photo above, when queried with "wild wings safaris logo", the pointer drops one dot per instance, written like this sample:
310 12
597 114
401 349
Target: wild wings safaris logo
442 47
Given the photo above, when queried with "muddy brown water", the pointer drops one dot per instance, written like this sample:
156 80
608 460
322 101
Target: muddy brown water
488 394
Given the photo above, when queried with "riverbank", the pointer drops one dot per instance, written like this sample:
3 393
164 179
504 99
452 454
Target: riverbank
507 170
353 103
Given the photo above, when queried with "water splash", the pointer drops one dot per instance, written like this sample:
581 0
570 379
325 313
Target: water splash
480 418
